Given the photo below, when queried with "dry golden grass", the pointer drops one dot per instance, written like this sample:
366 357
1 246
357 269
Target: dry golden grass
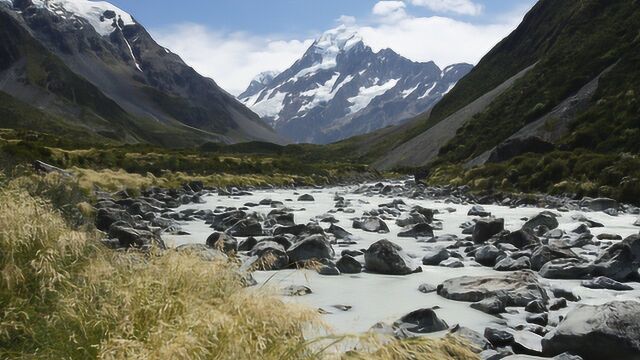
63 296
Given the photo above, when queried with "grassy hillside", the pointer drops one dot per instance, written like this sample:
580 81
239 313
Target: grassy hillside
574 56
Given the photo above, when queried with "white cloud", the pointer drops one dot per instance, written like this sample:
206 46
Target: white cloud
231 59
463 7
441 39
390 10
234 59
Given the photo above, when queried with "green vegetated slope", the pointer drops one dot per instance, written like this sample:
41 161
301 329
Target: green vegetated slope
567 45
588 37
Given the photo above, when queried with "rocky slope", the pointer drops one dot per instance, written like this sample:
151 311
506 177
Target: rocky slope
94 66
341 88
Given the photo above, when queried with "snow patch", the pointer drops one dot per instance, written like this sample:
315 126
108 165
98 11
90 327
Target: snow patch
451 86
409 91
271 106
92 11
429 90
325 92
366 95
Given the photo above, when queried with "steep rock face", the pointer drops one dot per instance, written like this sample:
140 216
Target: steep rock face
341 88
98 43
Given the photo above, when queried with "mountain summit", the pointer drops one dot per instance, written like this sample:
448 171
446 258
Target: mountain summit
90 66
340 88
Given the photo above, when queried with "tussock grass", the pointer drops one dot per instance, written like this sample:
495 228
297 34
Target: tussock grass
64 296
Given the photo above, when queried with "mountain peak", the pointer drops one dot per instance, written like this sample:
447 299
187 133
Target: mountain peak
338 39
104 17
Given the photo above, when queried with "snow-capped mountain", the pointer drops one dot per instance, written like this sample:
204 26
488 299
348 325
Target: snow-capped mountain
341 88
92 64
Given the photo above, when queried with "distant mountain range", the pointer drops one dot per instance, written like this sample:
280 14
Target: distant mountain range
87 67
340 88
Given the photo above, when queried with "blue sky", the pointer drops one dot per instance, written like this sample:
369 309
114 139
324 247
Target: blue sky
234 40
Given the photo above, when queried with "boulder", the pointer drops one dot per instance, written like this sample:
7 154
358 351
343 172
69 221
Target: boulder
520 239
478 210
417 231
517 288
608 331
411 218
222 241
421 321
498 337
620 261
486 228
536 307
435 257
129 237
427 213
245 228
385 257
106 217
247 244
571 268
601 204
487 255
546 253
306 197
339 232
509 264
348 265
602 282
451 263
491 305
427 288
314 247
293 230
543 219
371 224
269 256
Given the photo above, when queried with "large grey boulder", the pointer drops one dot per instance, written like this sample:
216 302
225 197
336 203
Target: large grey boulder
600 204
516 289
314 247
349 265
371 224
620 261
245 228
417 231
222 241
521 238
486 228
487 255
269 255
385 257
546 253
421 321
543 219
609 331
435 256
572 268
602 282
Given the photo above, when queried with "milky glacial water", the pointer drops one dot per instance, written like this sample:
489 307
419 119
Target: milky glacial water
382 298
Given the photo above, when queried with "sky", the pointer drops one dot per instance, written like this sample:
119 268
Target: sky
232 41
